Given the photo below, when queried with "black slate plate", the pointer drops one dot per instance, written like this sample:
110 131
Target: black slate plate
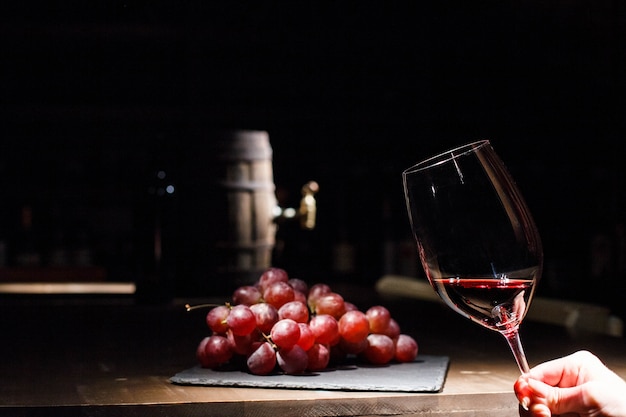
426 374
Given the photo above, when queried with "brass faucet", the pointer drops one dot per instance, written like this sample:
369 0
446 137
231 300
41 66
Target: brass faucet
308 205
307 212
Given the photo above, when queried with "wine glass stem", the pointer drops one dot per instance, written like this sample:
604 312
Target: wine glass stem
515 342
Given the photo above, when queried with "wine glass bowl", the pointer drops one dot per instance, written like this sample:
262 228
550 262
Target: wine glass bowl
476 239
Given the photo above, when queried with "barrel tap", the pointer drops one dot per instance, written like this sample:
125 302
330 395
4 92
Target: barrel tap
307 211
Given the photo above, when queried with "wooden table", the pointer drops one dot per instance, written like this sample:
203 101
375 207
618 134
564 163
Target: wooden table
99 356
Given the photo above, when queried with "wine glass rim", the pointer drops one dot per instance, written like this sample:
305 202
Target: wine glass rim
446 156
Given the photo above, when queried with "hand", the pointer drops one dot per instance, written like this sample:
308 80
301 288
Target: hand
579 384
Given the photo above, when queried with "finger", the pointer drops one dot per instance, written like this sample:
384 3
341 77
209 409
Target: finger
557 400
532 403
522 392
539 410
523 412
565 371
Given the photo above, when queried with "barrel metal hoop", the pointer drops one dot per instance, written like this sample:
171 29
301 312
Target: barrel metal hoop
247 186
245 246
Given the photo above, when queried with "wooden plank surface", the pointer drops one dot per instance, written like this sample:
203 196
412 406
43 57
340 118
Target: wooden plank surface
100 357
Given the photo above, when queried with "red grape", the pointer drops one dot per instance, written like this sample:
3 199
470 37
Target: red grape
242 345
406 348
266 316
241 320
331 303
325 329
354 326
315 292
392 330
214 351
216 319
318 357
299 296
350 306
271 275
307 338
295 310
293 360
247 295
299 285
278 293
263 360
285 333
380 349
337 354
201 353
353 348
378 317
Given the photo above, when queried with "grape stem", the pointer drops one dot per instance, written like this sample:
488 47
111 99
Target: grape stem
189 307
268 338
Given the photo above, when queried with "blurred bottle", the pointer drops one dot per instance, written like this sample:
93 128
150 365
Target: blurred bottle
399 252
82 254
344 251
606 242
4 238
27 253
156 231
343 257
4 248
388 248
59 254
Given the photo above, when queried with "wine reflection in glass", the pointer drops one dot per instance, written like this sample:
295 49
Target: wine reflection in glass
476 238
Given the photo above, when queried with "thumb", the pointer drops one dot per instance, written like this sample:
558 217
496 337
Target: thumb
558 400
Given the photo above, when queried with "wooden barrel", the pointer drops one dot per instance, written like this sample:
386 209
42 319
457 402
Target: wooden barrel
245 205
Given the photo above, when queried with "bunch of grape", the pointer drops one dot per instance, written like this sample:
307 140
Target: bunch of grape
279 324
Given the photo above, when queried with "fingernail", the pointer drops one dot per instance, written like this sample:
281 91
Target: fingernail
525 403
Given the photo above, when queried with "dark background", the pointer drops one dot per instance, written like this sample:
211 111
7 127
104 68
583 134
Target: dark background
95 95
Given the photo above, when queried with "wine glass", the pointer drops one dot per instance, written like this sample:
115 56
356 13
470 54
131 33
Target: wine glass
476 238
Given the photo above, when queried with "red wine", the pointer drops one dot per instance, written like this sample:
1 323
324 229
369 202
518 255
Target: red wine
499 304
